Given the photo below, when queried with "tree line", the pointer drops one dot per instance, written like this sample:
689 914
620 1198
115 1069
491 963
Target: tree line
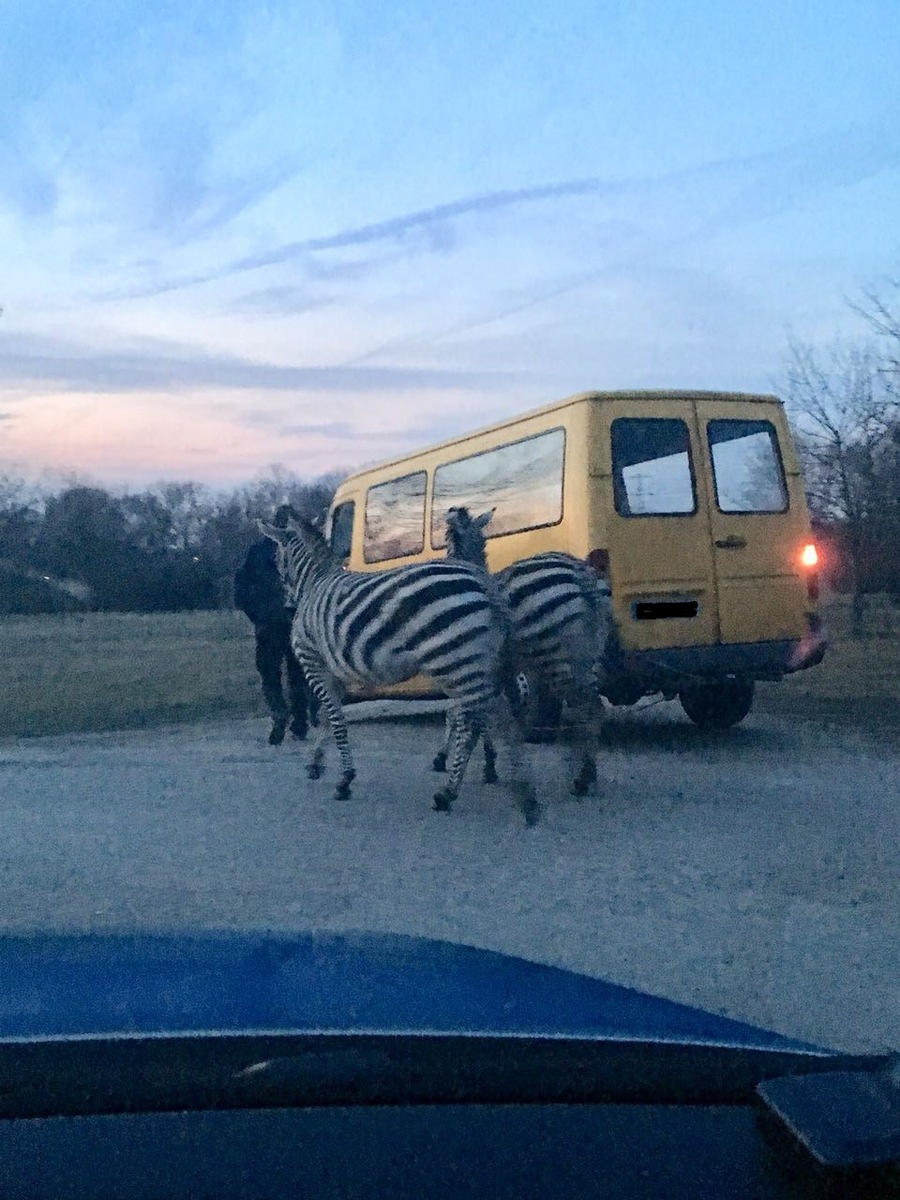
168 548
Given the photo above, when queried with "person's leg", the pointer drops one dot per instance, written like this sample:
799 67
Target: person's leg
269 653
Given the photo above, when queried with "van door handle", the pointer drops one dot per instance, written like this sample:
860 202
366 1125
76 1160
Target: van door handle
732 542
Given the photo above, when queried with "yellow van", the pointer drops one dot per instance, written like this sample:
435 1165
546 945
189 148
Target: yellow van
691 503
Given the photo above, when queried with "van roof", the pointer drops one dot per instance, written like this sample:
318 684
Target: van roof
578 398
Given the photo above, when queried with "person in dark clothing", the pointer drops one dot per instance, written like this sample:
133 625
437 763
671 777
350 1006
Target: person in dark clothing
258 592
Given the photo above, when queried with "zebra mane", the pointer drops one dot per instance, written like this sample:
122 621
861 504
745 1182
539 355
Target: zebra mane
313 541
465 536
303 553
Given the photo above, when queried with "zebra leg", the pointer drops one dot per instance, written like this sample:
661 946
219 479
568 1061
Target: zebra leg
330 701
442 798
509 735
489 775
466 728
586 709
439 762
316 760
579 749
299 694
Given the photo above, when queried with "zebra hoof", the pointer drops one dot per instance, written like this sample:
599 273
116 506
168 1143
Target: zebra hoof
439 763
276 736
342 791
489 774
441 802
314 770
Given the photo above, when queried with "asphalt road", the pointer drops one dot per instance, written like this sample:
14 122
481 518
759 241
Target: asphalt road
755 874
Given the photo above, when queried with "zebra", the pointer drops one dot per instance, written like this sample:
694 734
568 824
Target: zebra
562 622
443 620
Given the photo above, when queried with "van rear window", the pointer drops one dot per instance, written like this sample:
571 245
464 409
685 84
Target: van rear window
652 473
747 468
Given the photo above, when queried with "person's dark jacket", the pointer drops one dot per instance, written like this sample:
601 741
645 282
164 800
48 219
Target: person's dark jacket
258 590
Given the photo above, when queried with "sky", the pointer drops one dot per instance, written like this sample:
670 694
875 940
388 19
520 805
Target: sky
322 234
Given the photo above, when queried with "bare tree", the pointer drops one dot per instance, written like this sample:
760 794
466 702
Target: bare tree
281 485
883 318
845 413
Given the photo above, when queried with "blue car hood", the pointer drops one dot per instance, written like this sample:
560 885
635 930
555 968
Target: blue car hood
104 984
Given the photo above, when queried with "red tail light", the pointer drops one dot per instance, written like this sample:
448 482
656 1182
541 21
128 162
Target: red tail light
598 561
809 560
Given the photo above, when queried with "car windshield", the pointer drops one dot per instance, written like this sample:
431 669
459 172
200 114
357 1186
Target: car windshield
304 308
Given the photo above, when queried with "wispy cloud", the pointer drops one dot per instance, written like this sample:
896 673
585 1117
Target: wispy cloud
67 366
281 300
192 203
425 229
710 197
701 204
137 124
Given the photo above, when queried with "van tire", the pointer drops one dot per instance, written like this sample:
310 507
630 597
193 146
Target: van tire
717 703
537 710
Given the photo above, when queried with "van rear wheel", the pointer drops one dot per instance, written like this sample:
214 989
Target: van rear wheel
717 703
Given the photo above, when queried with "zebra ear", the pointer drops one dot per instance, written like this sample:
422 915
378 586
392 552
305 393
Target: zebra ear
272 531
485 518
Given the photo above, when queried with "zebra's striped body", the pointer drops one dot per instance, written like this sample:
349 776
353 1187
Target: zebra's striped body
444 620
560 610
561 616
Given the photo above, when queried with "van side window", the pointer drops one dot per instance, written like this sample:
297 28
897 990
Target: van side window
651 461
342 529
747 467
395 518
522 482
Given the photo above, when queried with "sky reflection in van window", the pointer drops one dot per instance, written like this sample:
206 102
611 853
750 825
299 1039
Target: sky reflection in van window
395 518
651 467
746 467
522 481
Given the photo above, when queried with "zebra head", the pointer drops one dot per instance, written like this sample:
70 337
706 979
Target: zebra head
302 554
465 536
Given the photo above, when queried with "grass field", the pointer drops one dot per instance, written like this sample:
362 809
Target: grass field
100 671
97 671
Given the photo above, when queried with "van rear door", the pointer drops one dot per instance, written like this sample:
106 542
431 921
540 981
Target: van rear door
758 519
657 531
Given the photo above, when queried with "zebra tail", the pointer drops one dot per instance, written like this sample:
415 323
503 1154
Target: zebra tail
597 595
509 657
